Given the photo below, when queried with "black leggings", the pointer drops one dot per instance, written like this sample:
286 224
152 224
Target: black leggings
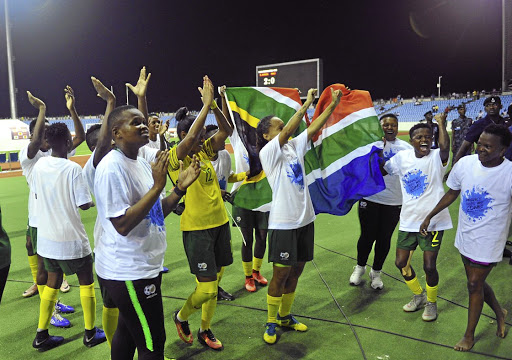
141 318
377 225
3 279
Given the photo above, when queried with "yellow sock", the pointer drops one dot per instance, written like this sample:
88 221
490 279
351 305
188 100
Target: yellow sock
109 322
32 263
432 293
414 285
208 309
63 277
220 274
88 300
46 307
247 265
40 289
257 263
273 304
286 304
204 291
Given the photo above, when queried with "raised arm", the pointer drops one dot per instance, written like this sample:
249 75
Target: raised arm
444 139
225 129
161 131
320 121
79 128
103 145
465 146
38 134
194 133
295 120
445 201
140 91
138 211
225 109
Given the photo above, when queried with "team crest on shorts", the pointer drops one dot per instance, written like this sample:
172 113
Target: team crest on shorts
362 204
150 291
284 256
202 266
238 219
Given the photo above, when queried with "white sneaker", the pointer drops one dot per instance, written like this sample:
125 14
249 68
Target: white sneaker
64 287
417 302
430 312
376 283
355 278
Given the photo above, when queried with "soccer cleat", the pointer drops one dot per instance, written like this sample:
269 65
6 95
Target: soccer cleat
165 269
97 338
376 283
58 321
43 343
62 308
31 291
249 284
355 278
270 336
183 329
260 279
64 287
417 302
208 339
224 295
290 322
430 311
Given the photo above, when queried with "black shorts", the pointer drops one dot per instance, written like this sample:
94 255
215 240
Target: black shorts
288 247
68 267
250 219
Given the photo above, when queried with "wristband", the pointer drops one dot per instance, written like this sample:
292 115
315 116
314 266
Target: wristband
213 105
179 192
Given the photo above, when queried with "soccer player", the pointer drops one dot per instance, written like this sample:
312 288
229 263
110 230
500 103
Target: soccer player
129 253
204 223
421 172
60 189
484 181
291 219
379 213
5 256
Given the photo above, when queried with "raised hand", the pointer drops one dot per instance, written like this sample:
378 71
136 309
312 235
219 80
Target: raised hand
163 128
206 91
311 95
37 103
142 84
102 91
441 118
336 96
222 90
70 97
159 169
187 177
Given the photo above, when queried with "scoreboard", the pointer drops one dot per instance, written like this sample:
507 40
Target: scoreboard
303 74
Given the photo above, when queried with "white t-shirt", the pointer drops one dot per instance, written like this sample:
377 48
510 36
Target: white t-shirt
222 167
241 157
392 194
60 189
284 166
26 166
148 153
485 207
154 144
119 183
421 180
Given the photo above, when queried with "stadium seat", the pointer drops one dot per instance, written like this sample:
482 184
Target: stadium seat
13 157
3 158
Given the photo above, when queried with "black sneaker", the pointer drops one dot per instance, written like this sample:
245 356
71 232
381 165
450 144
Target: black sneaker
97 338
224 295
507 253
44 341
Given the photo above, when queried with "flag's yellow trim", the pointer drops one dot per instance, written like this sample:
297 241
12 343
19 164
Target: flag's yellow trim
248 118
255 179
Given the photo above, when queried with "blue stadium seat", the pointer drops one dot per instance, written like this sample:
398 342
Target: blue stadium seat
3 158
13 156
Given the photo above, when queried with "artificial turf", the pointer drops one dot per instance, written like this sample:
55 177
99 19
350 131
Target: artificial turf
345 322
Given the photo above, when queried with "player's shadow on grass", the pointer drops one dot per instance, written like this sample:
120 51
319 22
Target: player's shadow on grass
363 297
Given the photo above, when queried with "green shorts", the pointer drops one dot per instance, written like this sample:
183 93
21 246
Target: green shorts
250 219
208 250
288 247
409 240
68 267
475 264
32 233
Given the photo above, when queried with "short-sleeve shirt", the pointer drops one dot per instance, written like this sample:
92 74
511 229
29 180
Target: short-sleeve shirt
204 207
421 180
284 167
460 128
120 182
222 167
477 129
392 194
485 207
60 189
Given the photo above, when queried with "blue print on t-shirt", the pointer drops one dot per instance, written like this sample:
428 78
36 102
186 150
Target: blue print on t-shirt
476 203
222 183
415 183
295 174
246 158
389 155
156 215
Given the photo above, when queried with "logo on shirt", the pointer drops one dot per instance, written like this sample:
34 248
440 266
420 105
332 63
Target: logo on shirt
284 256
150 291
202 266
294 173
389 154
246 158
476 203
415 183
156 215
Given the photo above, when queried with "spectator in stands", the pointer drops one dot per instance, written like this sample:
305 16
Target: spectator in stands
460 127
435 129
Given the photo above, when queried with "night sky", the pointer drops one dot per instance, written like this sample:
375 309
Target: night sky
368 45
